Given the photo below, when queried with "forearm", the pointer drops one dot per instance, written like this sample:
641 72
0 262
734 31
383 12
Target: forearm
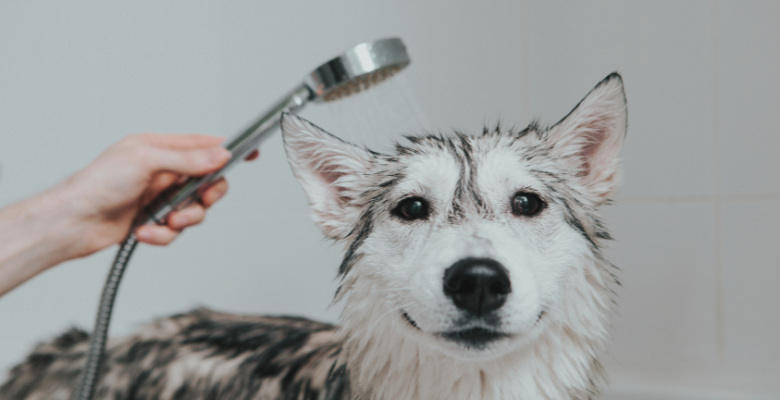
36 233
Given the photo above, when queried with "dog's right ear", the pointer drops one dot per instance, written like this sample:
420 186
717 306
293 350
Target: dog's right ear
591 136
329 170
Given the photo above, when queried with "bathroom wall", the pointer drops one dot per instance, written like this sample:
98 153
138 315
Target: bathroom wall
696 224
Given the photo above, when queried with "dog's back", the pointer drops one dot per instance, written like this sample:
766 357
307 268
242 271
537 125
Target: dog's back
201 354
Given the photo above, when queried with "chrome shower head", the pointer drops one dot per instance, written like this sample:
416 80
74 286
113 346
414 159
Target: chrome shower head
363 66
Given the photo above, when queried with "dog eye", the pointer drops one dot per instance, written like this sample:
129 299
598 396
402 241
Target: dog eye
411 209
527 204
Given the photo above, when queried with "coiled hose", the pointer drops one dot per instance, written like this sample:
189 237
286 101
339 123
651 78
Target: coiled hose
97 343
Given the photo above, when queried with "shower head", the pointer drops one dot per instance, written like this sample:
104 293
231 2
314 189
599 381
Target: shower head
363 66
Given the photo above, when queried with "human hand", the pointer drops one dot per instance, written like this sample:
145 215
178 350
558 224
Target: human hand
107 195
96 207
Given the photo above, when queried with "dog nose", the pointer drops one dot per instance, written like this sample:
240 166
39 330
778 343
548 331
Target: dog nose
477 285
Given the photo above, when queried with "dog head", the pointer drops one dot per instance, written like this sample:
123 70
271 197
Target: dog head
471 244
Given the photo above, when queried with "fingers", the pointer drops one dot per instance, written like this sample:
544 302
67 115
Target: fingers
181 154
159 183
187 141
187 161
167 157
177 221
195 213
191 215
160 235
214 192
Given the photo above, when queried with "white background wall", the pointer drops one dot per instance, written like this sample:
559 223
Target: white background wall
697 223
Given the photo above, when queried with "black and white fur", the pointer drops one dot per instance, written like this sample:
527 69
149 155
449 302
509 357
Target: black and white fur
453 288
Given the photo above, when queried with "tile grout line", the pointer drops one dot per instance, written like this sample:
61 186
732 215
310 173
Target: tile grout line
720 319
747 198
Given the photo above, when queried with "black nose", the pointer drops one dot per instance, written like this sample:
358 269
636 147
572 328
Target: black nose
477 285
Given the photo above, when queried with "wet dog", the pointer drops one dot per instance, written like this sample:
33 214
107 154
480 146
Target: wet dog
473 270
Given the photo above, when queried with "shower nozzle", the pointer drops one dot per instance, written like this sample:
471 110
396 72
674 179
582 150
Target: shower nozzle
361 67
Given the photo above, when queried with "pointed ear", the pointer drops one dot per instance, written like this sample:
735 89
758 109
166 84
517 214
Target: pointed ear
591 137
329 169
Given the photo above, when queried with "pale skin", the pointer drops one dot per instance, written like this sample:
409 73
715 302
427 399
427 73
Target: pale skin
96 207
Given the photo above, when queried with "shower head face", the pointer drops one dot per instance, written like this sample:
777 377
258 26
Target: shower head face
365 65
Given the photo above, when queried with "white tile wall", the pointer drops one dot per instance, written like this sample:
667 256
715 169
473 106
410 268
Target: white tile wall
669 284
665 50
749 94
751 279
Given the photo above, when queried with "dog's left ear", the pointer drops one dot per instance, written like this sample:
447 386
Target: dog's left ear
591 136
329 170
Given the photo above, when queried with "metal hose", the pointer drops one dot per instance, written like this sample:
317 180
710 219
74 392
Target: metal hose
97 343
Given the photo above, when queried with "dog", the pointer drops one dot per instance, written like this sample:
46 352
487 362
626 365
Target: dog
473 269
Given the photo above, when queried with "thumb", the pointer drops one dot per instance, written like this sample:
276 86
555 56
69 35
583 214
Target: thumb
197 161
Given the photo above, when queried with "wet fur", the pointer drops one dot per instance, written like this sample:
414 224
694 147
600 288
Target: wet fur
377 351
198 355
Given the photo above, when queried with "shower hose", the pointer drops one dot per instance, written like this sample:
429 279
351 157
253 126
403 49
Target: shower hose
97 343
